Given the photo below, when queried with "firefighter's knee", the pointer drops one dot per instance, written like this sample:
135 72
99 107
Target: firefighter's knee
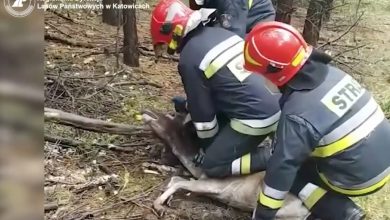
217 171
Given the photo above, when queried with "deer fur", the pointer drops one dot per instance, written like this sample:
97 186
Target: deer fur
240 192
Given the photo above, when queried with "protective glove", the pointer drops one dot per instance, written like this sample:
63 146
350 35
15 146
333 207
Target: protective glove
199 157
180 104
225 20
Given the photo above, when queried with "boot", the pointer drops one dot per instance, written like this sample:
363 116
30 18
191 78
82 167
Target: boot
311 217
263 213
355 213
333 206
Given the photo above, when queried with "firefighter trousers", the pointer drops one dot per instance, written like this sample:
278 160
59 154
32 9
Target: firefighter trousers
231 153
321 200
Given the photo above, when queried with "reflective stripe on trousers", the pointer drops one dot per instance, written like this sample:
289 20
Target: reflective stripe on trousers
311 194
242 165
271 197
256 127
207 129
270 202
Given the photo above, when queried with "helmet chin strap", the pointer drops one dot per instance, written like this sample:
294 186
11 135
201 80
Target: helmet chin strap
176 38
203 16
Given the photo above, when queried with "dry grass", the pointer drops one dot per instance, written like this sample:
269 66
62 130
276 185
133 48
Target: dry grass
373 62
377 205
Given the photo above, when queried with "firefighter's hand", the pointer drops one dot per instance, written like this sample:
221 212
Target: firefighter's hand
198 159
180 104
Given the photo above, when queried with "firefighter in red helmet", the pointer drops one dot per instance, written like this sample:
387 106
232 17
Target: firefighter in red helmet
332 139
231 110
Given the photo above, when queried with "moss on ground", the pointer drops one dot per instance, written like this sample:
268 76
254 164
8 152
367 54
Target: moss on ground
133 106
377 205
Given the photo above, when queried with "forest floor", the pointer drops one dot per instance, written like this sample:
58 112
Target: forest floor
82 76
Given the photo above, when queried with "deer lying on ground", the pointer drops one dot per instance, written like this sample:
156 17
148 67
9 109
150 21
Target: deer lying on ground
239 192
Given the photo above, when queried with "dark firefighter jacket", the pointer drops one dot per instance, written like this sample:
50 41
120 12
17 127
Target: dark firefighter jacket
339 124
240 16
211 69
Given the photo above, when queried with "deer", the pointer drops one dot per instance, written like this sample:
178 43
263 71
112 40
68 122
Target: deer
240 192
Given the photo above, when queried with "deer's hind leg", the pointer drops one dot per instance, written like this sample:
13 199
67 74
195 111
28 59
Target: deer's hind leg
204 186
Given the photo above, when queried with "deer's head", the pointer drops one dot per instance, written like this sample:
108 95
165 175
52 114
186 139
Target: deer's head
166 127
170 130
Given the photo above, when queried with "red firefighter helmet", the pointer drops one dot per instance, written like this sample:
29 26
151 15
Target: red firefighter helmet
276 50
165 17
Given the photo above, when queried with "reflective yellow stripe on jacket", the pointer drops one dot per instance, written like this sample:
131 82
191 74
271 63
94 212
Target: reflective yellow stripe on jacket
250 2
357 127
220 55
222 59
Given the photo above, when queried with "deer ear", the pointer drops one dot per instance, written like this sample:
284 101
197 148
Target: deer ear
159 129
169 116
148 116
155 122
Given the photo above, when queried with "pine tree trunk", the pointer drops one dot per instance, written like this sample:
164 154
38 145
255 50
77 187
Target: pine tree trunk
111 16
313 22
130 39
328 8
284 9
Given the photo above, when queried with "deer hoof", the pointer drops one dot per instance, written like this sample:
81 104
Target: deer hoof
169 201
159 207
175 180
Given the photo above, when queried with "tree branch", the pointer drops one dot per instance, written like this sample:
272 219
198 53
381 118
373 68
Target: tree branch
66 142
50 207
141 83
349 50
73 43
144 52
89 124
62 141
343 34
62 16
